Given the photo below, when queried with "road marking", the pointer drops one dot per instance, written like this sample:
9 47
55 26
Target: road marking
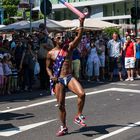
51 101
16 130
117 131
124 84
126 90
70 97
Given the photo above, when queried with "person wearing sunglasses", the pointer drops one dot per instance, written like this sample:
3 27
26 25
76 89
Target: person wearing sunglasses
59 68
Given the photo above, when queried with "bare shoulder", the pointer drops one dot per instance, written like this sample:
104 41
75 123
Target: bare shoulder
51 51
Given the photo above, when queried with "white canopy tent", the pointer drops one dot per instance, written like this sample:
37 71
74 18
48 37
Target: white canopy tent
50 24
15 26
89 23
60 25
1 26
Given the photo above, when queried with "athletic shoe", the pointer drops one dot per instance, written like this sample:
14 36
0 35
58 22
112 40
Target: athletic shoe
128 79
80 120
131 79
82 117
121 79
137 77
62 131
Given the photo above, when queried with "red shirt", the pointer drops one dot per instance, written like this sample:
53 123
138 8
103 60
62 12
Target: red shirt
129 52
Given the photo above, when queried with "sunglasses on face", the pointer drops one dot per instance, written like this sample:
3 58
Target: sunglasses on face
59 37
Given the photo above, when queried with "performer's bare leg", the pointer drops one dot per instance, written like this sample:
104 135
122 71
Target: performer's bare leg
76 88
60 95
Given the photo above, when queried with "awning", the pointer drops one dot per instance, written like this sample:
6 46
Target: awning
15 26
50 24
89 23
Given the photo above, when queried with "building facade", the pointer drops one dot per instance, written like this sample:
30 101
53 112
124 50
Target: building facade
116 11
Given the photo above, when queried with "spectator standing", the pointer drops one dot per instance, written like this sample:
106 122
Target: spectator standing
12 43
101 54
138 57
76 63
27 65
46 44
1 74
125 36
1 40
7 73
83 58
14 81
115 53
18 51
93 61
130 58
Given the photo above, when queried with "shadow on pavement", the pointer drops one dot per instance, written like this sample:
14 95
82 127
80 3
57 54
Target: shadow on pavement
14 116
98 130
7 126
101 129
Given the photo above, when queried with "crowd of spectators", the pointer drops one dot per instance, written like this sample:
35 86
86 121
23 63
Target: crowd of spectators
96 58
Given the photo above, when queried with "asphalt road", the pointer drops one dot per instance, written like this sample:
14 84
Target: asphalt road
112 113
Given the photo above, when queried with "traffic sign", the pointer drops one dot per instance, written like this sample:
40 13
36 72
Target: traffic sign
47 8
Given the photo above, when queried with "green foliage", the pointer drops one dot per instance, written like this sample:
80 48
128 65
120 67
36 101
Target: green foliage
10 10
41 16
10 7
8 21
11 2
110 30
20 13
28 15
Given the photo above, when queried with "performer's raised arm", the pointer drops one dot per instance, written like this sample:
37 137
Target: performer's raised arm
77 39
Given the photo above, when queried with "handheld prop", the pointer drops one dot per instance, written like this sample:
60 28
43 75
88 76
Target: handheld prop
73 9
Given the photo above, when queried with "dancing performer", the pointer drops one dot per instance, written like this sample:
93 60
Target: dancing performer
58 66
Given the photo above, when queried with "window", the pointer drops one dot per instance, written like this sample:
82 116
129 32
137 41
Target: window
54 1
108 10
119 9
129 5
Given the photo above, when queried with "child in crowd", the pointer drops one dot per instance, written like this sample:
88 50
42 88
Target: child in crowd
1 74
7 73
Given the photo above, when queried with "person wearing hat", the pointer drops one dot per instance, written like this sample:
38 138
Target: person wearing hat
138 57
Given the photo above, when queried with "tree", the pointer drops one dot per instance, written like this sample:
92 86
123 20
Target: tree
110 30
10 7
